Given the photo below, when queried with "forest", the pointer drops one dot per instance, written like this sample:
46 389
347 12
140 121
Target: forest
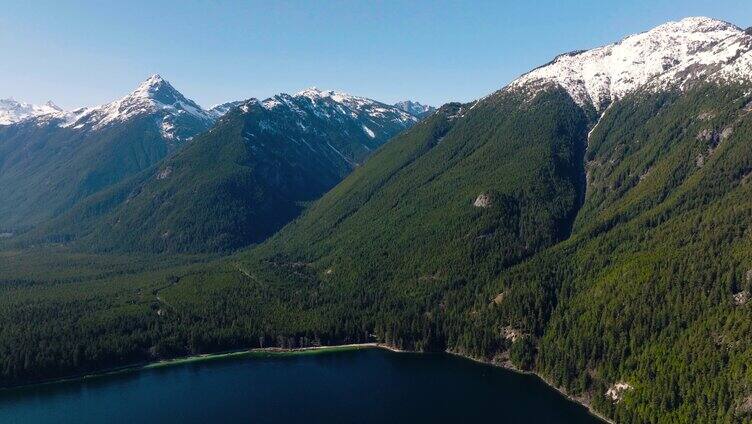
620 255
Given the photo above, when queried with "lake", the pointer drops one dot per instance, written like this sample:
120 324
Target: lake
356 386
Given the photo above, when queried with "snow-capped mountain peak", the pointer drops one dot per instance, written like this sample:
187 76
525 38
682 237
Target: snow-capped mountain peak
12 111
218 111
666 56
153 96
151 84
354 105
314 94
331 104
415 108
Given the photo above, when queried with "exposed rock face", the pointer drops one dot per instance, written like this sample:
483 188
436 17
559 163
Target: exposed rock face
706 116
745 407
415 108
741 298
616 392
727 132
707 135
165 173
482 201
511 334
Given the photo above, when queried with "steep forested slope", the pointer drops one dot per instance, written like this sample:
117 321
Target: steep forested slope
649 292
590 222
651 289
470 190
239 182
386 273
50 162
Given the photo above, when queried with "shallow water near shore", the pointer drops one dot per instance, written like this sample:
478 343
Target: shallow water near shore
363 386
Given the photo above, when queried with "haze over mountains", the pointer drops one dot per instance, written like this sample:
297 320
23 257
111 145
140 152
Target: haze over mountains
589 222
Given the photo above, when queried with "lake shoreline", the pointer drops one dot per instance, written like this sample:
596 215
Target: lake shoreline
510 367
272 351
139 366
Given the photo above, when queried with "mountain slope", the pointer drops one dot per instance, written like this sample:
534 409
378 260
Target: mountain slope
594 230
178 117
245 178
50 162
668 56
465 238
650 290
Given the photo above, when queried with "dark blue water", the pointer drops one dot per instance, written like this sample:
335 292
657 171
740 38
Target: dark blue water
364 386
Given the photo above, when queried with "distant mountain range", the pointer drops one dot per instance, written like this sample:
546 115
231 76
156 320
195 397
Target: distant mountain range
415 108
266 159
12 111
50 159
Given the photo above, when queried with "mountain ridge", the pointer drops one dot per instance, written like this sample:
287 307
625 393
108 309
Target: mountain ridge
415 108
671 54
49 162
238 182
592 227
12 111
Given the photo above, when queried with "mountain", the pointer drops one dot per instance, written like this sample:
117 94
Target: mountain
178 118
242 180
415 108
221 109
670 56
50 161
12 111
590 222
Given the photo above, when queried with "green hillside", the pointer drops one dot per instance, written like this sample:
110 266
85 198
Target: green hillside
233 185
488 229
46 169
649 289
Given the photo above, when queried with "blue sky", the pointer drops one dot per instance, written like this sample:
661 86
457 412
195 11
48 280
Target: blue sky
80 53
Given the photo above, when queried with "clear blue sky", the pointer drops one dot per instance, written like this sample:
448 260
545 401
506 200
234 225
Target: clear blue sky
81 53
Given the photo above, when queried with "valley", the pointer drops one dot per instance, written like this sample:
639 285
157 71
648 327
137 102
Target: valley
589 223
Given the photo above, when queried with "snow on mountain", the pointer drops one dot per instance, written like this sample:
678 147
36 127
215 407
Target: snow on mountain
415 108
353 105
12 111
153 96
220 110
374 118
669 55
